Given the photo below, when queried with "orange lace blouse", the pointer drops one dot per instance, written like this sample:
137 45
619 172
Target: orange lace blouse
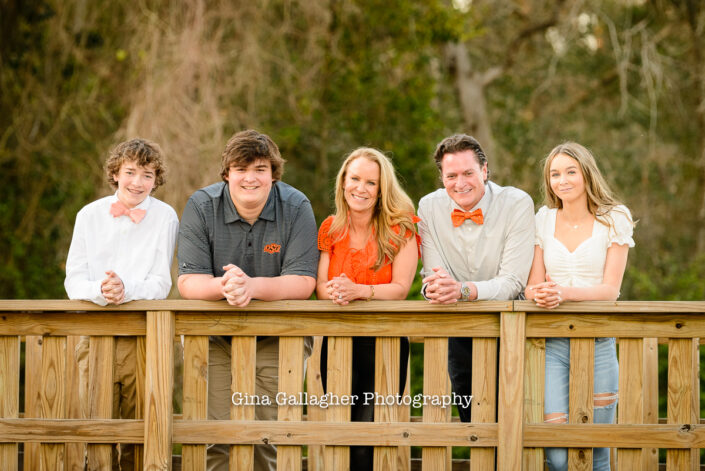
355 263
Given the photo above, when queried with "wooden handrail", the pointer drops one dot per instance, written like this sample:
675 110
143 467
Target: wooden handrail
513 425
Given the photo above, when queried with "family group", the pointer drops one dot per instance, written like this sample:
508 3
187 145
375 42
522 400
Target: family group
252 236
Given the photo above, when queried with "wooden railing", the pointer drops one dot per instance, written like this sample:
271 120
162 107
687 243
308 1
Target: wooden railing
509 342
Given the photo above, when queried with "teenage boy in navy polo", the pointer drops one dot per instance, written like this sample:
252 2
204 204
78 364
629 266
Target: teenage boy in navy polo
250 236
121 250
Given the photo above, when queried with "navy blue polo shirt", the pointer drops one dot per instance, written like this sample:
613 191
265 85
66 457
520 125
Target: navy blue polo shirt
282 241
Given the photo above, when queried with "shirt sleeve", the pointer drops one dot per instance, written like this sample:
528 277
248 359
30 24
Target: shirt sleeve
158 281
324 239
302 253
623 230
77 283
540 222
430 255
517 253
194 253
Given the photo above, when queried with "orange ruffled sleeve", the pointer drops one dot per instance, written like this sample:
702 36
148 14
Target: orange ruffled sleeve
324 239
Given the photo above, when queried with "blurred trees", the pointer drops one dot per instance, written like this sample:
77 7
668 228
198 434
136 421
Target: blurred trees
624 77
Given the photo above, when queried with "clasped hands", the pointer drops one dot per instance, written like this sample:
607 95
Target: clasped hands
441 288
237 286
547 294
112 288
341 290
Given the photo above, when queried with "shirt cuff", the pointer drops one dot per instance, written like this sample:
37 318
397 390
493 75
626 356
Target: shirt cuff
423 291
483 289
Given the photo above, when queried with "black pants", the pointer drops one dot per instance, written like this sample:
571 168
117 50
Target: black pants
460 370
363 380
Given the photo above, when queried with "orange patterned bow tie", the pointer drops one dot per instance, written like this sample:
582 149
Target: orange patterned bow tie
458 217
118 209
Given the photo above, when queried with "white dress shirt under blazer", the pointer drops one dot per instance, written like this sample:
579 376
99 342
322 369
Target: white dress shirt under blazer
496 256
140 254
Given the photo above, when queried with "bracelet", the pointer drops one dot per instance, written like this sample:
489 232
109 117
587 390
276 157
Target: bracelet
372 292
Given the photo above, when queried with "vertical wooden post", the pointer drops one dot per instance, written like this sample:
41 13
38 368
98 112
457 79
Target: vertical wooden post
387 351
195 395
242 372
534 380
631 410
75 452
695 372
53 396
484 400
140 362
291 382
315 413
435 383
511 388
159 390
9 395
339 379
100 394
32 394
404 452
650 455
581 396
680 396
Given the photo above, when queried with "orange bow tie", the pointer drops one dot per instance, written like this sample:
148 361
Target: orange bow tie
118 209
458 217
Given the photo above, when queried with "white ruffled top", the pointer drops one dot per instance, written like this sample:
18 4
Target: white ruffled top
585 265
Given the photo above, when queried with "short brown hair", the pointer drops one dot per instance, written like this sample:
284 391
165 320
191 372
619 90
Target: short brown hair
141 151
250 146
460 143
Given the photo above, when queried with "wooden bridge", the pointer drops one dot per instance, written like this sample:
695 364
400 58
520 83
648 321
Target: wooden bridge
508 376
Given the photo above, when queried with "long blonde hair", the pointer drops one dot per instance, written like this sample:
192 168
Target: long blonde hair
600 198
394 207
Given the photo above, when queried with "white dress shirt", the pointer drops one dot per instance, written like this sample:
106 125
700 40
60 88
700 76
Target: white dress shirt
140 254
495 256
584 266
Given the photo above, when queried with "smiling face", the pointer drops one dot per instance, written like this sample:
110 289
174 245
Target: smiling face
361 185
250 185
566 178
464 178
134 182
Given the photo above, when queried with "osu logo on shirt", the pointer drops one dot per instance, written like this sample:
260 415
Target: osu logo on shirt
272 248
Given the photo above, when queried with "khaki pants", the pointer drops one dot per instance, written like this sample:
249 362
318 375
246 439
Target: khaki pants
220 396
124 391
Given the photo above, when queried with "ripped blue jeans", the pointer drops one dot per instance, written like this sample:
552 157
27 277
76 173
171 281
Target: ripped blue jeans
606 384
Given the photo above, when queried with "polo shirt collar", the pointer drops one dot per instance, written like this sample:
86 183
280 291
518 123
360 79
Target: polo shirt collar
231 214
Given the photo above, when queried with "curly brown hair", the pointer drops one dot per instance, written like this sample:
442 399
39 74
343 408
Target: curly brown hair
141 151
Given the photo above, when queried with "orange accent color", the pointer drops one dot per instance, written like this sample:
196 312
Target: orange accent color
458 217
272 248
355 263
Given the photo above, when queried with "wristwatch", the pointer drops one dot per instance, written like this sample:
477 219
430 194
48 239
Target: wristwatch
464 291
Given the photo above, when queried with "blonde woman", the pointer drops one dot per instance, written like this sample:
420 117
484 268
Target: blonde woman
583 236
369 250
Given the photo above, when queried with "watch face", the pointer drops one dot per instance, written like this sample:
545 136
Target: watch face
465 290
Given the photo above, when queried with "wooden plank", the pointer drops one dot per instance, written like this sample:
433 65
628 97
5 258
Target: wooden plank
387 350
613 435
695 397
650 455
615 325
374 324
680 394
53 396
63 324
339 379
642 307
9 395
195 396
534 375
315 413
329 433
101 360
159 387
484 401
291 382
140 365
75 452
32 394
435 383
511 389
580 408
404 452
242 371
71 430
631 399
